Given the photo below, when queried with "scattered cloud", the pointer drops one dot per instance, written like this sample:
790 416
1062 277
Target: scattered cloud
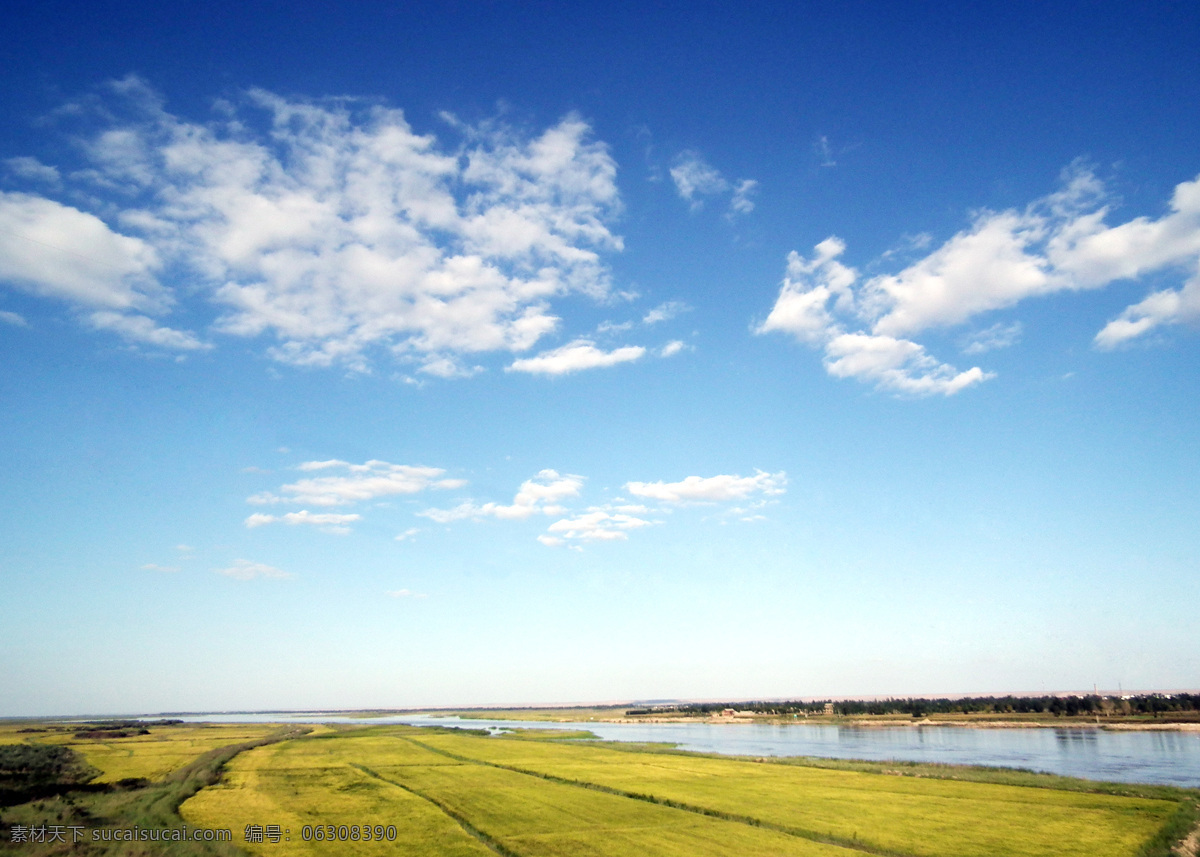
1169 306
575 356
999 335
330 523
1058 243
741 202
405 593
356 483
671 348
408 534
15 319
540 495
153 566
711 489
696 179
597 524
665 312
139 328
824 151
244 569
31 169
329 226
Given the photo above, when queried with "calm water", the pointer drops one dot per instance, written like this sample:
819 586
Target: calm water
1171 758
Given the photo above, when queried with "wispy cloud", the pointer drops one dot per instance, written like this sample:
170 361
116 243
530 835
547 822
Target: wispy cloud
542 494
597 524
711 489
1059 243
999 335
244 569
696 179
13 318
574 357
354 483
824 152
32 169
328 522
665 312
153 566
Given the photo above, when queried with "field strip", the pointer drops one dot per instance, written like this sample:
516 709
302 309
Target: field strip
800 833
490 841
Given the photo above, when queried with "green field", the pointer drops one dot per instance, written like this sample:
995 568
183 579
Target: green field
450 792
529 794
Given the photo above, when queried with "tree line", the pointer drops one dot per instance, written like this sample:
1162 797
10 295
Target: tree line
1154 704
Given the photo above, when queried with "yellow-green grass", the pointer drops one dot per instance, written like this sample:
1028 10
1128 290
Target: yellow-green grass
315 782
376 778
534 817
153 756
930 817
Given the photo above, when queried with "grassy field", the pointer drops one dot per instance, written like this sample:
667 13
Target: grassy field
451 792
139 783
457 792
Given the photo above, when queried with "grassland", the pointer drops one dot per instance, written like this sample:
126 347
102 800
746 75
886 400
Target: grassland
130 791
451 792
458 792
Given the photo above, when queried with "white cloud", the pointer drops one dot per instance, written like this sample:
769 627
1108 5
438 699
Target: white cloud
695 179
327 521
407 534
32 169
244 569
357 483
999 335
895 364
405 593
13 318
335 231
594 525
1058 243
139 328
1159 308
741 202
671 348
711 489
665 312
824 151
540 495
57 251
575 356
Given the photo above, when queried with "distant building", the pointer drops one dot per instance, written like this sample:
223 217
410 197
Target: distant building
829 708
728 712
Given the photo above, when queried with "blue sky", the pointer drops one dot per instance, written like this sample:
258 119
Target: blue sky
493 353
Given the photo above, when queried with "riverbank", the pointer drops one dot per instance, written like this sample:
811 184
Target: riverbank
1186 723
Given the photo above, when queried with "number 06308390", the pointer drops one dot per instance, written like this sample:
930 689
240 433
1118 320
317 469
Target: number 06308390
347 832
